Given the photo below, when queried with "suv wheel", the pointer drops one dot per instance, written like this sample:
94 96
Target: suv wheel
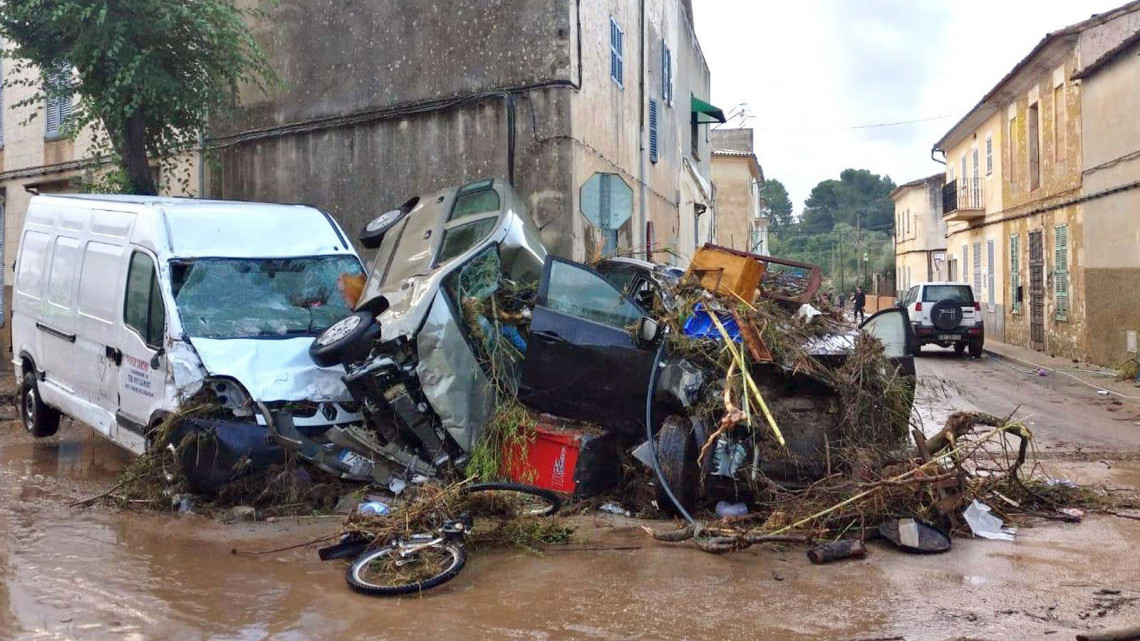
348 340
976 347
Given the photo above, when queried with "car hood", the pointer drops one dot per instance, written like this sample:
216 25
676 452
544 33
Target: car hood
272 369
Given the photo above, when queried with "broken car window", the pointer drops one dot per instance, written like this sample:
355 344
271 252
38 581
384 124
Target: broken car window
250 298
462 238
579 292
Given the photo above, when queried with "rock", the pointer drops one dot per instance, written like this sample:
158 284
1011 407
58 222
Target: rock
243 514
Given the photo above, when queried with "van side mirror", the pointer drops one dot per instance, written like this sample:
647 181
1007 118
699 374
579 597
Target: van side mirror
649 330
156 360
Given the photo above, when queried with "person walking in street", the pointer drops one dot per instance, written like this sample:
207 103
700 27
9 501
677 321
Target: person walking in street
860 300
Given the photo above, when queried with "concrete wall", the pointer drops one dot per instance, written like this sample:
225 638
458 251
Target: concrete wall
1111 241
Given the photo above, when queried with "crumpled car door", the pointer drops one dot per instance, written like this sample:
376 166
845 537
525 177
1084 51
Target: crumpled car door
584 359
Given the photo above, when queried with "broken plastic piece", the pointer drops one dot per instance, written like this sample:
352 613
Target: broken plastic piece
913 535
374 508
725 509
613 508
984 524
700 324
806 313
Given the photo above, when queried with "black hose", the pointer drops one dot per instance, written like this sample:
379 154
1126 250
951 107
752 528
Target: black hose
652 442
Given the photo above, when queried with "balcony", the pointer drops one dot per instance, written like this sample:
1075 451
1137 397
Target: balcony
963 200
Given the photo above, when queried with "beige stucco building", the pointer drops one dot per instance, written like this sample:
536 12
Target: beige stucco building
1016 203
36 157
920 233
737 178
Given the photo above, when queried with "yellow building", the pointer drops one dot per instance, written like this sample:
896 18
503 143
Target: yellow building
737 178
1012 200
920 233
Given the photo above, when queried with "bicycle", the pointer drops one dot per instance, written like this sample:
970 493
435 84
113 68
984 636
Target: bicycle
419 562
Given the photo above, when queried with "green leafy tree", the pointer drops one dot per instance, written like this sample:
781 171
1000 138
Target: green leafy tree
148 73
779 207
859 197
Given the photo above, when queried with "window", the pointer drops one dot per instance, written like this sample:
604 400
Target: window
143 310
957 293
977 267
64 264
990 297
1033 123
462 238
652 130
1011 136
1059 125
58 107
694 142
977 168
989 155
965 261
962 174
1014 273
577 291
666 74
481 201
616 62
30 265
1061 271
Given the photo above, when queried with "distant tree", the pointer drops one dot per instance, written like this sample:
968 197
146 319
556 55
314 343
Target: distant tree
859 197
148 72
779 207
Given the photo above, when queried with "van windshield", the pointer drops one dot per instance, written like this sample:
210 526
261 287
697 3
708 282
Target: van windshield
261 298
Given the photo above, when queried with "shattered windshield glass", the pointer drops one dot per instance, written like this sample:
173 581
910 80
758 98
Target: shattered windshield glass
258 298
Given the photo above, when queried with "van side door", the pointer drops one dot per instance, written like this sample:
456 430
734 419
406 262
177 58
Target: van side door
55 328
98 326
142 374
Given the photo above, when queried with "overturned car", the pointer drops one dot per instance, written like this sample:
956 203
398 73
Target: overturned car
464 305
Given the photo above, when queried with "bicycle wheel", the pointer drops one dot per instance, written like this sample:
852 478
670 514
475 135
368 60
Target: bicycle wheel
510 500
384 572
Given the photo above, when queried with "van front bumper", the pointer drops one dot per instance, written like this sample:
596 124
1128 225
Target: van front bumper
216 451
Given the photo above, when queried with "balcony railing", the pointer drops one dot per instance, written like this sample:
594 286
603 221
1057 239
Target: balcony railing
963 198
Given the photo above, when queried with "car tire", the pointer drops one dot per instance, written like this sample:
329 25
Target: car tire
916 351
976 347
39 420
677 458
946 314
346 341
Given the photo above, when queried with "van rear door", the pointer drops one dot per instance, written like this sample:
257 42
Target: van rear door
142 334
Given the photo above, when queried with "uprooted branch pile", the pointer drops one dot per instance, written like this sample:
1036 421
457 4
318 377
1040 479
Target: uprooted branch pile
976 456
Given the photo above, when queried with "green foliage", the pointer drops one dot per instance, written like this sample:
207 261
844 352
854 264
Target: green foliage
858 197
149 72
826 233
779 207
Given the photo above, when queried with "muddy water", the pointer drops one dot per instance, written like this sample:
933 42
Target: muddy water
103 574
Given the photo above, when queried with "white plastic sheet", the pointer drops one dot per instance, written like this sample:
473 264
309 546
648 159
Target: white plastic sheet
983 523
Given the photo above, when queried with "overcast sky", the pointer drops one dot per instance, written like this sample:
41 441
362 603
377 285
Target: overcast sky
810 69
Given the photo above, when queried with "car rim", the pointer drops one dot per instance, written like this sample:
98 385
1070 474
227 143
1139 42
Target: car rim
339 330
30 409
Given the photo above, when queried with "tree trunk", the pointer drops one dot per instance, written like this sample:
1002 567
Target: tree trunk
133 154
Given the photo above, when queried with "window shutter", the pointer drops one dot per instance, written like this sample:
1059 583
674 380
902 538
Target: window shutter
616 62
990 278
977 268
1061 270
652 130
1014 272
52 116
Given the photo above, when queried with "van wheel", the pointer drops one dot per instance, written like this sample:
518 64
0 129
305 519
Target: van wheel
347 341
39 419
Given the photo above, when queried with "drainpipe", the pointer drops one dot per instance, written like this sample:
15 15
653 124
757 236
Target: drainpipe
935 150
642 230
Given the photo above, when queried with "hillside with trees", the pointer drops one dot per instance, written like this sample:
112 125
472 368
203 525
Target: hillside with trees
846 227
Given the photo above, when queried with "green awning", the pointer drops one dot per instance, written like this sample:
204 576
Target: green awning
704 113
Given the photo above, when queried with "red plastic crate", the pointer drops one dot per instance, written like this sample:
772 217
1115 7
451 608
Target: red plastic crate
549 461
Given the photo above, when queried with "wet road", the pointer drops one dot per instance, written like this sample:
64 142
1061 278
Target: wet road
77 573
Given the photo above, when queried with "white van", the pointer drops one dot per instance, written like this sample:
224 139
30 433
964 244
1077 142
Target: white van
126 306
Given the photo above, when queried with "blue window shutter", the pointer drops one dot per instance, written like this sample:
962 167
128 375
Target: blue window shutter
616 61
652 130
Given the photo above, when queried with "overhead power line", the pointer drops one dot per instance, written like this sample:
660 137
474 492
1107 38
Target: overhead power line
852 127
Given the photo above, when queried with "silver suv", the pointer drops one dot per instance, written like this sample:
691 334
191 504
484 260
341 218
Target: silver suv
945 314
